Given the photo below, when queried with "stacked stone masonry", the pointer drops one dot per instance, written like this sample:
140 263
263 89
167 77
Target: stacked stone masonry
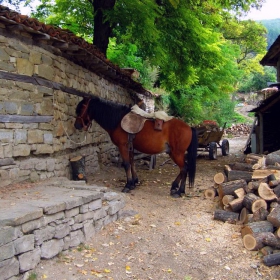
50 218
37 151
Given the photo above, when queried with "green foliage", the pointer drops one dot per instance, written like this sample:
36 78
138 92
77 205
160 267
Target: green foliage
258 81
32 276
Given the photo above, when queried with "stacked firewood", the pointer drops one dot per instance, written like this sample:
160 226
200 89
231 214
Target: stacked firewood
238 130
249 195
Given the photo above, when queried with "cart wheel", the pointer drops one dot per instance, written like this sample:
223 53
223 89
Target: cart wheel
213 150
225 147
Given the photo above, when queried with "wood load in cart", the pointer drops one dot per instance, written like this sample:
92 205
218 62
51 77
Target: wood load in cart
209 139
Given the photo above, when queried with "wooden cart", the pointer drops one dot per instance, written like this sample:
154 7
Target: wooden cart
209 137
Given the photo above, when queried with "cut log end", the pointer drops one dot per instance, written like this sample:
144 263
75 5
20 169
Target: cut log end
250 243
219 178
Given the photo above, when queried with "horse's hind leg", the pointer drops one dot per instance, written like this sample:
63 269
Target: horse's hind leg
175 184
133 169
178 191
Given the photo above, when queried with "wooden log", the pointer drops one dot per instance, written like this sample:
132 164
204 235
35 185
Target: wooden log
219 178
256 241
241 166
274 216
243 217
226 216
263 173
231 186
239 192
78 168
236 204
272 206
254 202
276 190
272 259
210 193
256 227
233 175
260 215
252 158
270 178
273 157
252 243
277 232
266 192
266 250
254 185
226 199
274 183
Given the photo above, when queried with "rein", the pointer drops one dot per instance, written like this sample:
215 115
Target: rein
85 114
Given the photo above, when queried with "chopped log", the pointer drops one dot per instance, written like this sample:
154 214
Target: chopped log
216 186
236 204
233 175
252 158
219 178
253 185
276 190
263 173
231 186
277 233
78 168
256 241
210 193
266 250
273 205
241 166
270 178
226 216
273 157
272 259
266 192
274 183
243 217
252 243
239 192
256 227
254 202
226 199
274 216
260 215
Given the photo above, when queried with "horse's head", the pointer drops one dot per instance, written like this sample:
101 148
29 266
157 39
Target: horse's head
83 120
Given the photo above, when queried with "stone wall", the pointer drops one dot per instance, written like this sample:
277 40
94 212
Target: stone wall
64 215
40 150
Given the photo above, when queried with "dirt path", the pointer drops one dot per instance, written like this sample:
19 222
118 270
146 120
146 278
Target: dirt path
160 237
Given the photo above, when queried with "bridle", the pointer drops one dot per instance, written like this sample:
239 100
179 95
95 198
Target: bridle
85 115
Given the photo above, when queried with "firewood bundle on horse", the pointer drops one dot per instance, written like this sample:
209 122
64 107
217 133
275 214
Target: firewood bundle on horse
128 131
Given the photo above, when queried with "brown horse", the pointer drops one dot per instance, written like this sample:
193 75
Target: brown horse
176 138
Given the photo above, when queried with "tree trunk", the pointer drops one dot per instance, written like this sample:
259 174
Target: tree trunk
102 27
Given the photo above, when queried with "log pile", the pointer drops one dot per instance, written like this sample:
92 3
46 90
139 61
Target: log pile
249 195
238 130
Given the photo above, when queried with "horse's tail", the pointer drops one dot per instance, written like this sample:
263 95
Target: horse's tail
191 157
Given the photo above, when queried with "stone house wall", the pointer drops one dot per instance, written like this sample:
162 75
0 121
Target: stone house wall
40 150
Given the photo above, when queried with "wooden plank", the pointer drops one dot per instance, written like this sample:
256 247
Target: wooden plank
24 119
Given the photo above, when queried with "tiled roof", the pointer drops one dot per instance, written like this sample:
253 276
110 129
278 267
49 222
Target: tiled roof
72 47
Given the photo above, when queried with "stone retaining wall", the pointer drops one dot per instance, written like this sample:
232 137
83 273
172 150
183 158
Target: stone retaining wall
39 150
52 218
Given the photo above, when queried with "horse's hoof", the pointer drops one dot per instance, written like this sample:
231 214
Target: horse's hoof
125 190
173 192
175 195
132 187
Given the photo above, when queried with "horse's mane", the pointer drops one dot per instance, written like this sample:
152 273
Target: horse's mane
107 113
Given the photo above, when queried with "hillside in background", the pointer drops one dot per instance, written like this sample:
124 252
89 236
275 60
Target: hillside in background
273 29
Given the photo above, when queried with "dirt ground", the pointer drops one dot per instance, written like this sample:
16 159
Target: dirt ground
160 237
